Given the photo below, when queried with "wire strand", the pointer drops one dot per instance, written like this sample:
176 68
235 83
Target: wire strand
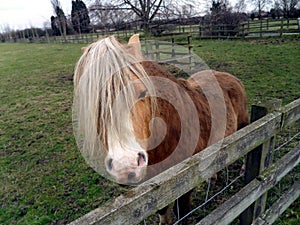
208 189
287 142
209 200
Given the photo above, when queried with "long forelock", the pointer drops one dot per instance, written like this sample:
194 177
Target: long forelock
101 74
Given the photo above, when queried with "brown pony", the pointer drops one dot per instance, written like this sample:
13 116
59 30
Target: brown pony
133 119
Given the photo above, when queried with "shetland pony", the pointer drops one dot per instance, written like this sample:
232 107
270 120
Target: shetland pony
140 120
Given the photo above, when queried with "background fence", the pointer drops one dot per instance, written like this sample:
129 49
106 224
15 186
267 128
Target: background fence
249 29
256 140
178 58
252 29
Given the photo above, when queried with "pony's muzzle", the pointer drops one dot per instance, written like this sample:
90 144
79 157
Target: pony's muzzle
128 169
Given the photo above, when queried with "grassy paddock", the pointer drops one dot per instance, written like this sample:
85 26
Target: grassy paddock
43 178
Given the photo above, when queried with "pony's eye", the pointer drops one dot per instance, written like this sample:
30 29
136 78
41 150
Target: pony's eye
143 94
109 164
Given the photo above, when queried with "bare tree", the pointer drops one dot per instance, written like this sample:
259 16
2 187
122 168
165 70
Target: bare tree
145 10
276 11
99 13
184 11
6 32
108 15
167 11
240 6
260 5
288 7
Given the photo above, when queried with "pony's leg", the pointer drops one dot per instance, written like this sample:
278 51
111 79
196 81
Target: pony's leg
183 204
165 216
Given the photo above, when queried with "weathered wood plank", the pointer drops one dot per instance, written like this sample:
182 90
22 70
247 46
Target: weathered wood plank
229 210
216 157
143 200
291 113
163 189
279 206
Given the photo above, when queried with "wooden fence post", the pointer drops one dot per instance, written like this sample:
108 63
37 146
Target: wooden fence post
200 34
257 160
243 30
281 28
190 46
261 27
173 47
157 50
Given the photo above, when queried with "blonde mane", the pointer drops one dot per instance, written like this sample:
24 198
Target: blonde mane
106 71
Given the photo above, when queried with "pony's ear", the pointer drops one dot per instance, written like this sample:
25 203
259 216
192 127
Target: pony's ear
83 49
134 39
134 46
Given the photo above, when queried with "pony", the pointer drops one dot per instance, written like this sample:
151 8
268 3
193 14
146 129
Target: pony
140 120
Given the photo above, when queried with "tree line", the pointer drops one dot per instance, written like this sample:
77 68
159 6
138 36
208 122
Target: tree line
155 16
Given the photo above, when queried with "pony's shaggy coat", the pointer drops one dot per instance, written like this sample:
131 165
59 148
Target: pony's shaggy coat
117 92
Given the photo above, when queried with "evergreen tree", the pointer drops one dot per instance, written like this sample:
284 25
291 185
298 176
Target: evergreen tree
60 21
54 26
80 17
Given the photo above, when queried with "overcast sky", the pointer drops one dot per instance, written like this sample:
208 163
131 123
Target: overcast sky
20 14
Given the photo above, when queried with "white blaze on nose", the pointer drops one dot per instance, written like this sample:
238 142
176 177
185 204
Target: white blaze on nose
126 161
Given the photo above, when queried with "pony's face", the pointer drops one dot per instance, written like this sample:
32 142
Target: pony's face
127 157
113 109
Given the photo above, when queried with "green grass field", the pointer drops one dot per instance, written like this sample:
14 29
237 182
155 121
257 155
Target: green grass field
43 177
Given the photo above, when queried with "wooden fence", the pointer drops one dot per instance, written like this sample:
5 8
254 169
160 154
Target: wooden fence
147 198
269 27
251 29
180 55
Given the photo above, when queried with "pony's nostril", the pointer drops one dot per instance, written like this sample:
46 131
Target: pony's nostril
109 164
141 159
131 176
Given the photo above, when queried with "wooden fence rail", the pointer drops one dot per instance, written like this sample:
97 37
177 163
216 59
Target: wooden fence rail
229 210
280 205
158 192
260 28
181 56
